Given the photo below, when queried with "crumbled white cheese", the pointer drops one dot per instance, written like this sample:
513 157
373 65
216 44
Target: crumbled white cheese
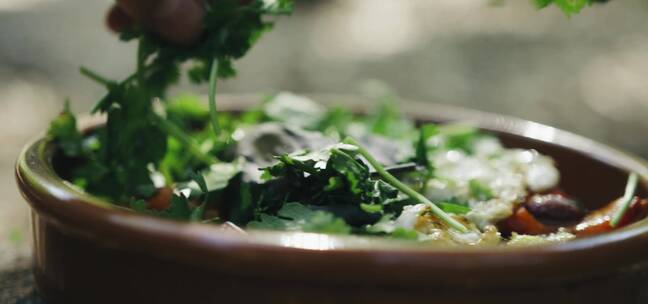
489 236
409 216
487 146
439 190
467 238
486 213
542 174
507 173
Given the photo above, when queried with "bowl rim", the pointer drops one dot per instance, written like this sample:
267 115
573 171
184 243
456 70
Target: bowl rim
101 221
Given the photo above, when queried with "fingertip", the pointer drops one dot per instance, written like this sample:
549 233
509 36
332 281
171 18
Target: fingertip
178 21
118 20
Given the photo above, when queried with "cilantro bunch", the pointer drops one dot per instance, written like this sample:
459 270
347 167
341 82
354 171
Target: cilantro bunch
135 138
187 159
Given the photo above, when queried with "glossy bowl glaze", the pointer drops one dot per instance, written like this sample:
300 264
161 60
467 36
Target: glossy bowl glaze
89 251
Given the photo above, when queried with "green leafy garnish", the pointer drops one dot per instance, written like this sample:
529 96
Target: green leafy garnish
371 208
422 150
294 110
459 136
404 234
419 198
631 187
64 130
389 122
179 208
334 178
297 217
197 213
218 176
454 208
135 136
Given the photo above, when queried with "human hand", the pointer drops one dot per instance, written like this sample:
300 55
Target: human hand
176 21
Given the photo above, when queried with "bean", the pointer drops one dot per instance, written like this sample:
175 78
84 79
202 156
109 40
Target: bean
554 207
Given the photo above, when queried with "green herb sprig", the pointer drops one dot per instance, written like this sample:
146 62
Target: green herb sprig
631 187
404 188
135 136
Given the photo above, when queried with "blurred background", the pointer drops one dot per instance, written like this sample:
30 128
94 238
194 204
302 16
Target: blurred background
587 74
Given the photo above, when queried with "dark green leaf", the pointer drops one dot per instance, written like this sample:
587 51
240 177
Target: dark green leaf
200 180
334 178
297 217
198 213
425 132
371 208
179 208
63 130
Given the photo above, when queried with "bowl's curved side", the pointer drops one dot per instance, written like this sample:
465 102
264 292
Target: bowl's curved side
77 235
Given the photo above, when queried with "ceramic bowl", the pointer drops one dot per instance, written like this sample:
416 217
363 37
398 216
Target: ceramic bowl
87 250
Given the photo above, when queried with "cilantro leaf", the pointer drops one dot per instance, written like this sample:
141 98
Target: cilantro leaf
340 163
179 208
187 112
425 132
453 208
335 121
459 136
422 151
63 129
217 176
389 122
135 137
404 234
294 110
371 208
297 217
334 179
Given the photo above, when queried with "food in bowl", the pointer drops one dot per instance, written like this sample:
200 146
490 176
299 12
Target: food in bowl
291 164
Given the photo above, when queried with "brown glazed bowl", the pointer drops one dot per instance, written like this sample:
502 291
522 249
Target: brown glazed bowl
89 251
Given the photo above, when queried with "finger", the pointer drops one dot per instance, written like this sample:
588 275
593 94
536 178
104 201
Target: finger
177 21
118 20
140 10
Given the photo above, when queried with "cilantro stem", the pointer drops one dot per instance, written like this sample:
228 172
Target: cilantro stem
140 61
404 188
631 187
179 134
213 75
96 77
